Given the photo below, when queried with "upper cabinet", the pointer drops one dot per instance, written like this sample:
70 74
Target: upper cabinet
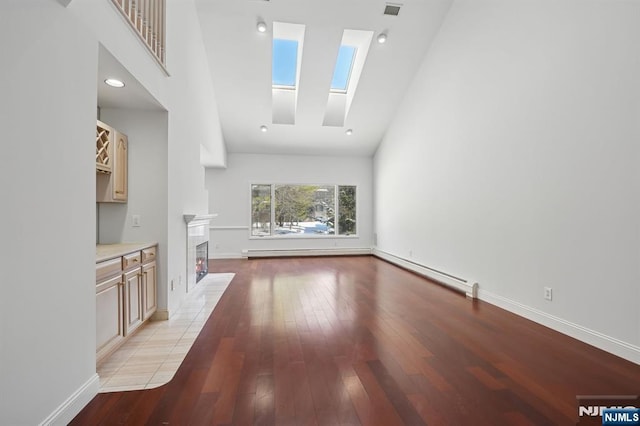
121 167
111 164
103 148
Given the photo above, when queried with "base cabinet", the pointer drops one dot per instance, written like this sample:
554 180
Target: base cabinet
132 301
150 289
109 315
126 296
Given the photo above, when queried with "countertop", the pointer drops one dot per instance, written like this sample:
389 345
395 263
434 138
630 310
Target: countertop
110 251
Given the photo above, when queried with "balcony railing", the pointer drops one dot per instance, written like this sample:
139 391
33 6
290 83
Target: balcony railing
147 17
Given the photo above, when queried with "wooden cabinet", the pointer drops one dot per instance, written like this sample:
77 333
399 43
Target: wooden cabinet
131 260
104 136
109 315
132 300
111 164
126 296
149 282
121 167
109 306
149 289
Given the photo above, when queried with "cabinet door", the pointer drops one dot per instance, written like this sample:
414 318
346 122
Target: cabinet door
112 165
132 300
109 312
150 286
120 171
104 136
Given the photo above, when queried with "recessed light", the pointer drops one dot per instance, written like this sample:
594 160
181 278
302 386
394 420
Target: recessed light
382 38
263 128
349 132
114 82
262 27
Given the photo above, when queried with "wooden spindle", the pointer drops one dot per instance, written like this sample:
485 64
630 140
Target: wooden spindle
147 17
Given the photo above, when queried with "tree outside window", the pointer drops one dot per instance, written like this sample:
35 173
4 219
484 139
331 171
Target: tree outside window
308 210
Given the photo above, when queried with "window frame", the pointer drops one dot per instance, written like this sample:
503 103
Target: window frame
301 236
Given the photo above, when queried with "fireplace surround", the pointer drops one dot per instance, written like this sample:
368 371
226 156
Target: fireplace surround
202 259
197 235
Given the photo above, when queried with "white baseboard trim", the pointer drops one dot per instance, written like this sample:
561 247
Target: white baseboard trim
226 256
337 251
74 404
594 338
469 287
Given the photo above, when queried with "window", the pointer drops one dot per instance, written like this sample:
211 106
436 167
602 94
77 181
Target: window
284 63
260 210
302 210
347 209
342 71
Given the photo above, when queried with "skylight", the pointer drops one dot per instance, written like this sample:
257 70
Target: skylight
342 71
284 63
352 55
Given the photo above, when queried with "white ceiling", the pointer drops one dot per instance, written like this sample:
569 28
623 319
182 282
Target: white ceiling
240 64
132 96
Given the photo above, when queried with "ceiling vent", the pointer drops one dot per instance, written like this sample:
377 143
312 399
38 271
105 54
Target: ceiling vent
392 9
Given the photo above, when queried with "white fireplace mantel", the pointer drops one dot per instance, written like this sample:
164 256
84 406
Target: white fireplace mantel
190 218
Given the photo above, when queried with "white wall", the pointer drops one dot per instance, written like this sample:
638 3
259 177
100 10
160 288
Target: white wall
48 111
229 195
190 101
47 219
193 120
147 189
110 27
513 161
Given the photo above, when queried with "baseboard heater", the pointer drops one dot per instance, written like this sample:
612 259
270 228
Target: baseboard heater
468 287
252 253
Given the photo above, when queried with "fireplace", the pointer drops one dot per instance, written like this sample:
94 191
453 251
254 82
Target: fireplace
197 247
202 257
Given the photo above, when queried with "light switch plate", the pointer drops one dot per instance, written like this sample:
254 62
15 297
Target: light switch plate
136 220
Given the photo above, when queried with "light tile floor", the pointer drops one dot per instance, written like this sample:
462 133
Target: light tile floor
152 355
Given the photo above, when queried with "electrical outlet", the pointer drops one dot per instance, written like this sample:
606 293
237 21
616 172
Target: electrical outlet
410 253
548 293
136 220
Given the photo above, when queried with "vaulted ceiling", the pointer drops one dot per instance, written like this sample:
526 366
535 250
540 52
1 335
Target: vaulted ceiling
240 64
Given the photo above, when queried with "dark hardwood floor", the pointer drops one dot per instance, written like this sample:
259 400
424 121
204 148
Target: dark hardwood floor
356 340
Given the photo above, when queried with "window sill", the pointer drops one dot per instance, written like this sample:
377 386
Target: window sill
304 237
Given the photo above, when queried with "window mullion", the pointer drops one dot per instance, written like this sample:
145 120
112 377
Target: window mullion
336 209
272 227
